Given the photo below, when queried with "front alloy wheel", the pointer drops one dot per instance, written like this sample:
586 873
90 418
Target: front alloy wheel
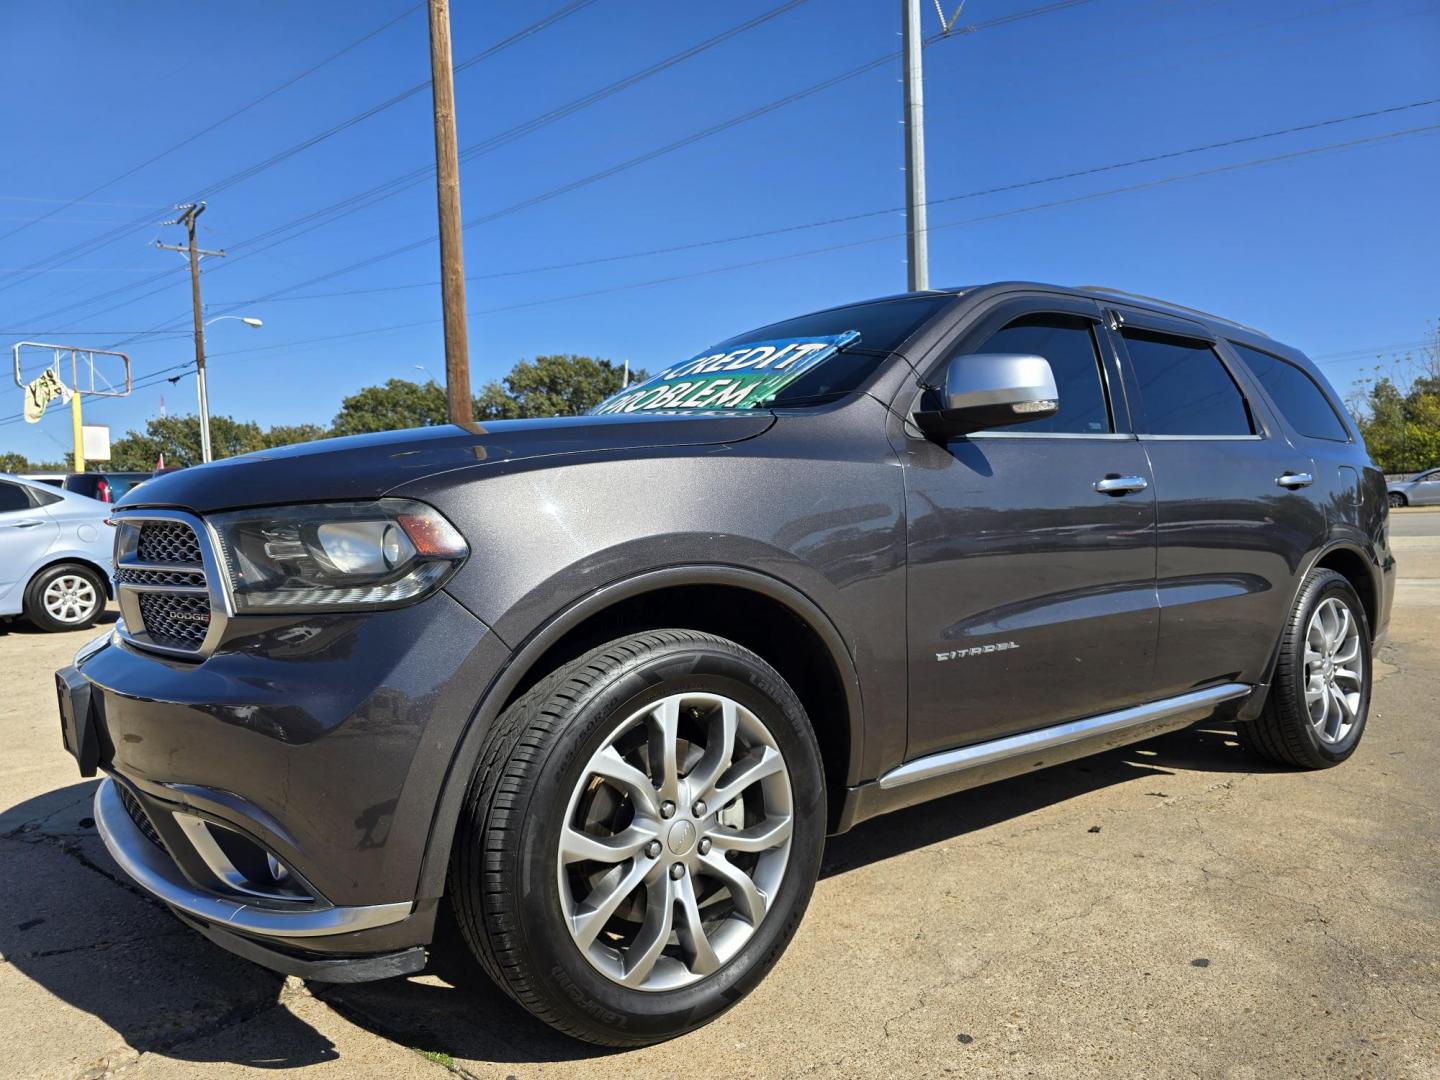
640 838
676 841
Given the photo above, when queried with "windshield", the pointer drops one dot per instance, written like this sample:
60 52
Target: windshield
803 361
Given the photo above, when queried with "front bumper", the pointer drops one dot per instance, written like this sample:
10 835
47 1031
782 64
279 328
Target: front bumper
321 743
151 867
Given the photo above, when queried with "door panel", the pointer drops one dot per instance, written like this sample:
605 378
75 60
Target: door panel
1031 596
1231 536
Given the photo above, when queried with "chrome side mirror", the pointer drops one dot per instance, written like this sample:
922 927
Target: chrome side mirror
985 390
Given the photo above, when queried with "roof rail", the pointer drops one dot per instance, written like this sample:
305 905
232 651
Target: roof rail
1105 290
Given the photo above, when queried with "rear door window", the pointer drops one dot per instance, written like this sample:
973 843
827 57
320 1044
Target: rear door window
1184 387
1295 394
12 498
1069 344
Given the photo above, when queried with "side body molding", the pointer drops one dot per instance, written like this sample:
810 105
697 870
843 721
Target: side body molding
524 656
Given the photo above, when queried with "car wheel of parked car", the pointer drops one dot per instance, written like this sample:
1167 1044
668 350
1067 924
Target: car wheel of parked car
1320 693
65 597
641 837
1397 500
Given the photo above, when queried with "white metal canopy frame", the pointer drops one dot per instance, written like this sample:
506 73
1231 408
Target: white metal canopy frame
84 379
96 383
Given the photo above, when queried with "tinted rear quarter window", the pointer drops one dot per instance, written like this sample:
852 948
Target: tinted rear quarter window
1184 387
1295 394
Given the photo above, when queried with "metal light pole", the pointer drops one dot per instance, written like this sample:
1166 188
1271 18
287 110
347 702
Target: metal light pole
200 391
917 255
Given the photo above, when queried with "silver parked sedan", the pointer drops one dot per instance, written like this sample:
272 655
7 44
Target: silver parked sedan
55 550
1422 489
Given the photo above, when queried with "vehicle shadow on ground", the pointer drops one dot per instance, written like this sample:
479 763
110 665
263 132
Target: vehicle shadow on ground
70 923
123 958
24 627
481 1023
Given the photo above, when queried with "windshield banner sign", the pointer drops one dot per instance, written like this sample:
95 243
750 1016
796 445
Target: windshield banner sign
743 378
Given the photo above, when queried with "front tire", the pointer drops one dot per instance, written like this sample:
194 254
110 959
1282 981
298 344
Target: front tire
1320 694
68 596
1397 500
641 837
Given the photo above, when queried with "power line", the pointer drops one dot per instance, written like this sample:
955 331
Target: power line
374 195
651 155
868 214
218 123
244 174
831 248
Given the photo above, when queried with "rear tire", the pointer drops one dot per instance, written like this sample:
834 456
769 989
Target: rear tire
620 749
1319 696
67 596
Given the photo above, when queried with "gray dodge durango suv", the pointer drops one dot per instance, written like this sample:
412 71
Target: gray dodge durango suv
576 701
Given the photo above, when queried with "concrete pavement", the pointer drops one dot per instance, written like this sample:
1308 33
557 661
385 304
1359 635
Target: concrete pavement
1171 909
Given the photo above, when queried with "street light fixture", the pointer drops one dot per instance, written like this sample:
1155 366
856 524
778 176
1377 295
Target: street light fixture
248 320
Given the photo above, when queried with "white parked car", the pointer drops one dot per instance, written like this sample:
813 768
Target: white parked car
55 550
1422 489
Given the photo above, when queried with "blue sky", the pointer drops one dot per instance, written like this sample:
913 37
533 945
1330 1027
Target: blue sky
1333 251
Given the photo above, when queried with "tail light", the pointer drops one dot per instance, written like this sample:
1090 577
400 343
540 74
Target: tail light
102 490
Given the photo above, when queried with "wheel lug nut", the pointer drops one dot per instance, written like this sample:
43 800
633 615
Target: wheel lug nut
677 871
653 849
667 809
699 808
705 846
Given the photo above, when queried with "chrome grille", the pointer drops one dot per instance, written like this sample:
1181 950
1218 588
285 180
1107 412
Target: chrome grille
163 570
179 620
193 579
168 542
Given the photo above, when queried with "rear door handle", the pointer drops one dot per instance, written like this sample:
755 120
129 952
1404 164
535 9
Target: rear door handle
1121 485
1294 480
29 523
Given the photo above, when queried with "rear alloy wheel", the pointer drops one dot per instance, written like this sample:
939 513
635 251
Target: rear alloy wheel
66 597
641 837
1320 694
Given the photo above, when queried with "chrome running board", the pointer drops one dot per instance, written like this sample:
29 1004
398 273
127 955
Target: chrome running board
988 753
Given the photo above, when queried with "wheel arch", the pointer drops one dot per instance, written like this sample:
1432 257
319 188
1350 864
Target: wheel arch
771 617
66 558
1348 560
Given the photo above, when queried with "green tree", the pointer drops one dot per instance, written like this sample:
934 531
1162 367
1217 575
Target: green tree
288 434
1398 412
178 438
11 462
398 404
551 386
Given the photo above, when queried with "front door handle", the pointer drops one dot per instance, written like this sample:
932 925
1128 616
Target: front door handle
1121 485
1293 480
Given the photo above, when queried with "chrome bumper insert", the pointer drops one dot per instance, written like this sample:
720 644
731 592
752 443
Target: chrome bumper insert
154 871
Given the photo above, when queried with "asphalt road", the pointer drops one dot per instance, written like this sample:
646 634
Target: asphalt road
1172 909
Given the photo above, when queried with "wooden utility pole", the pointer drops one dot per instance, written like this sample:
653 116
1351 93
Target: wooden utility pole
188 214
447 190
917 254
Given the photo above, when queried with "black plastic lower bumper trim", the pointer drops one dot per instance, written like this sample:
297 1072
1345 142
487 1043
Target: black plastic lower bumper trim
341 969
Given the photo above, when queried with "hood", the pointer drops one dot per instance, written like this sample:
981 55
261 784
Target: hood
367 466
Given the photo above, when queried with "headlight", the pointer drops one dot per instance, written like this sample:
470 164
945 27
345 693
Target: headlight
336 556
